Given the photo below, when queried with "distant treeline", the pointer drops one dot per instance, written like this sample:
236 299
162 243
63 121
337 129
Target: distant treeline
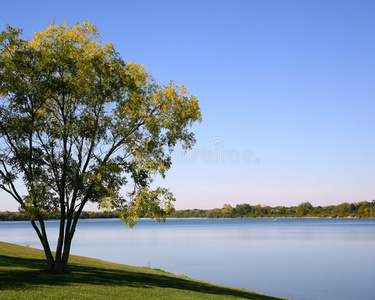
344 210
22 216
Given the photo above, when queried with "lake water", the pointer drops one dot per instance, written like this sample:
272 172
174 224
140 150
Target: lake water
292 258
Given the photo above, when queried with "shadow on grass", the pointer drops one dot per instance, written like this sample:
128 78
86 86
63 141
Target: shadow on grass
14 280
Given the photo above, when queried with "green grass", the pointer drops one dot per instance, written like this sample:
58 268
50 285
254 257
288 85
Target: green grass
22 276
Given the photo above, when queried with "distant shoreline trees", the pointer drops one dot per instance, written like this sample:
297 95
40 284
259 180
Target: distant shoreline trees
362 209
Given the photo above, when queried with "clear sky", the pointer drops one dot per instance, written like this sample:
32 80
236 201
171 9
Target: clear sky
286 89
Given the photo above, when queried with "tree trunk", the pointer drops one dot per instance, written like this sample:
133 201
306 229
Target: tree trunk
43 239
49 257
60 240
67 229
59 267
70 229
67 245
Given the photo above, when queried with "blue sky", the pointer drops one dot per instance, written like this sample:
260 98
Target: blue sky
286 89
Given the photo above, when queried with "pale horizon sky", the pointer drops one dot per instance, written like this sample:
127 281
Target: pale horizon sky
286 89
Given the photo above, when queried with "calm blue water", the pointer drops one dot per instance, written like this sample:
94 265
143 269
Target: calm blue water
292 258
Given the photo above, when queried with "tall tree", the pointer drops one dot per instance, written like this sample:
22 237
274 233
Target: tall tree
77 124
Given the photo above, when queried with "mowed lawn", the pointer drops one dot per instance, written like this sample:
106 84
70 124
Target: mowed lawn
22 276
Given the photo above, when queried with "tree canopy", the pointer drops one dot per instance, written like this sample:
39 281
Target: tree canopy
78 124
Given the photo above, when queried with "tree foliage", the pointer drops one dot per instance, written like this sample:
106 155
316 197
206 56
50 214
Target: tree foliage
77 124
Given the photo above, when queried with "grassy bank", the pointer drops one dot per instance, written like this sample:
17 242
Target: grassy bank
22 277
